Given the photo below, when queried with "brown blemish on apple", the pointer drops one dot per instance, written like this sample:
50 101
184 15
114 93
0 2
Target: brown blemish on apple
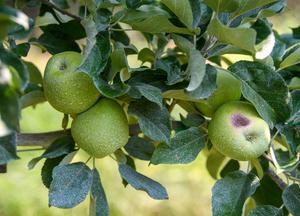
239 120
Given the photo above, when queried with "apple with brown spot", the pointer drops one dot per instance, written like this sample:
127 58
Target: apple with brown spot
237 131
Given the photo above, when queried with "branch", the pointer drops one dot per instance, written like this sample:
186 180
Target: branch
273 175
46 2
39 139
45 139
276 178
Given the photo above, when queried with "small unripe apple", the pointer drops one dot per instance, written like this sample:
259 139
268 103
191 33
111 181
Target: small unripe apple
228 89
102 129
67 90
237 131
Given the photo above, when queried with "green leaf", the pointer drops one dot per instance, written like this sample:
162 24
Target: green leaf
118 88
192 120
291 59
120 36
258 84
57 38
183 148
291 136
35 75
196 69
268 193
133 3
296 32
118 62
146 55
19 32
22 49
197 7
47 169
97 51
182 43
141 182
291 199
294 173
61 146
172 67
233 35
207 86
265 39
129 162
63 4
32 98
182 9
248 5
72 30
214 163
8 148
231 192
71 183
158 24
266 210
223 5
98 201
196 66
231 166
140 148
143 13
55 44
96 58
153 120
9 106
11 59
263 29
150 92
295 105
295 83
9 16
180 94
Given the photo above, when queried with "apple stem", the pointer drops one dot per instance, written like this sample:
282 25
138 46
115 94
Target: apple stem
88 159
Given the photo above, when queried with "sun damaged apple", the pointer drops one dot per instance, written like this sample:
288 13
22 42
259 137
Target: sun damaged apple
237 131
67 90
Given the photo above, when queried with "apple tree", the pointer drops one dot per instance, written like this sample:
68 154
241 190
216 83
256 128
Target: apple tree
239 112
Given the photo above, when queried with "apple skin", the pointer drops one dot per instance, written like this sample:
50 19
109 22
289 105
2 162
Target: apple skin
102 129
228 89
237 131
67 90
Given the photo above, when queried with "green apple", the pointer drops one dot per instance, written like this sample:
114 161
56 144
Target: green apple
67 90
102 129
237 131
228 89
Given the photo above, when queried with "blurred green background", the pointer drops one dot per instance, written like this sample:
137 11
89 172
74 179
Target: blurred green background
189 186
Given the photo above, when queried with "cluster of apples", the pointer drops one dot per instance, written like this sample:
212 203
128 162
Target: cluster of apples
236 129
100 124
